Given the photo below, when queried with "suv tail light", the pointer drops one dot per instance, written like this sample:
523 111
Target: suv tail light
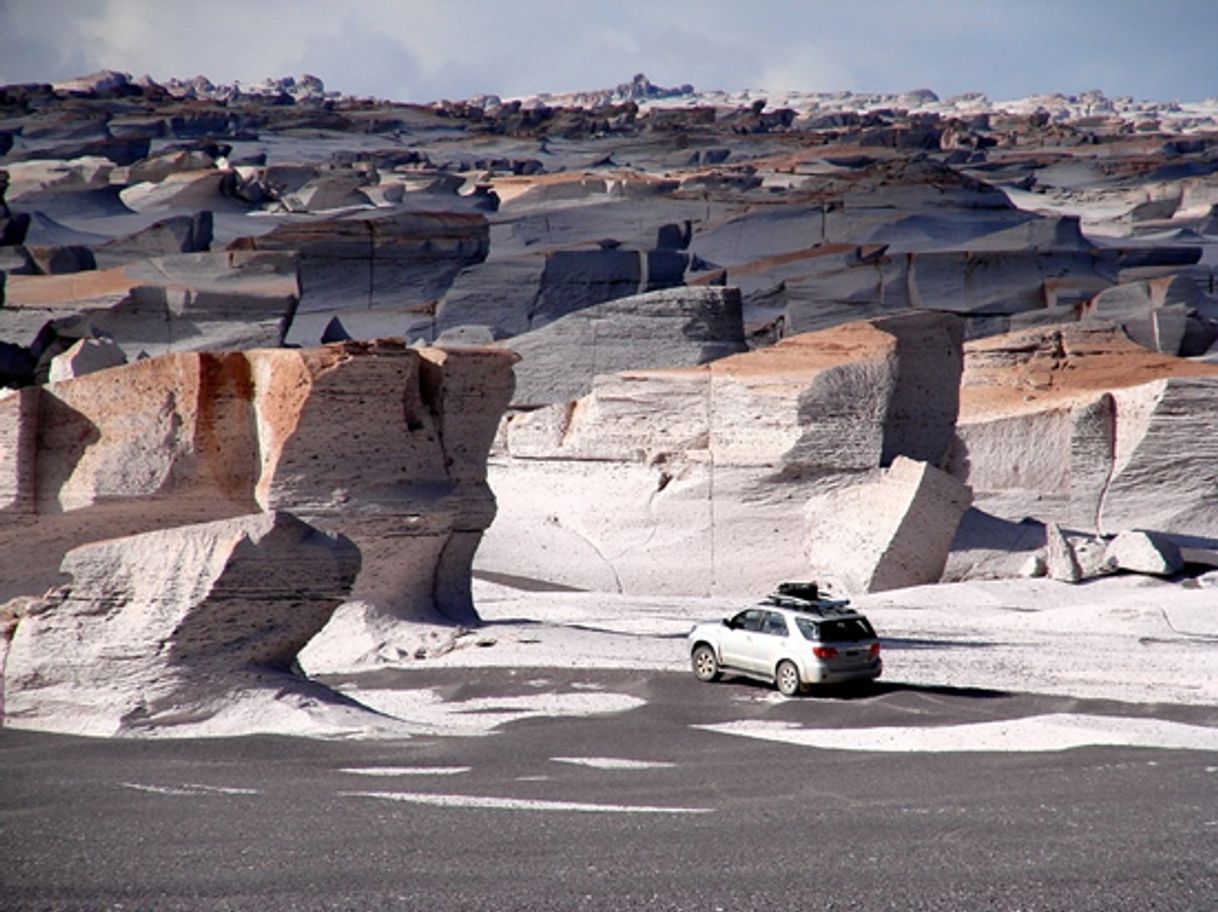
874 651
824 652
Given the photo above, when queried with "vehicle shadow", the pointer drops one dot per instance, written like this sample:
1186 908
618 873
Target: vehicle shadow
867 690
913 643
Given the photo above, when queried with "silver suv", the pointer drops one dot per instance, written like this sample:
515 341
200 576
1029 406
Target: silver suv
793 638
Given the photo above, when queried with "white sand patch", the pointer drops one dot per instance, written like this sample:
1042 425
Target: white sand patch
159 789
1133 639
222 789
614 763
406 770
1128 638
520 804
425 711
190 789
1053 732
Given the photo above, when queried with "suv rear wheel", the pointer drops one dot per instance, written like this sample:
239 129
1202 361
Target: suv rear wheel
705 665
786 679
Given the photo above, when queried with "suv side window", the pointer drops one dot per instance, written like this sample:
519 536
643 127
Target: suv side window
749 620
808 629
774 624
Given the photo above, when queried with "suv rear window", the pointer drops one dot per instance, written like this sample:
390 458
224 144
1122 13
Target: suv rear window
838 630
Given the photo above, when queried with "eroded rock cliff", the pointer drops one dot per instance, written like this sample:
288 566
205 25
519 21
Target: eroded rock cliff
694 480
205 513
1081 426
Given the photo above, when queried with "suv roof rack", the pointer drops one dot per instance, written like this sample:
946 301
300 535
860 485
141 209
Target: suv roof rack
820 606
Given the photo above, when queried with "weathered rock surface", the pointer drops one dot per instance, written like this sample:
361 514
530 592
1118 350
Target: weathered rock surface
391 262
188 302
675 328
1080 426
86 357
1169 314
1144 552
168 628
489 219
188 438
1061 562
177 234
514 295
887 533
694 480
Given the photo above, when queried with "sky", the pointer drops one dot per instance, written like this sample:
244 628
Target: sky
424 50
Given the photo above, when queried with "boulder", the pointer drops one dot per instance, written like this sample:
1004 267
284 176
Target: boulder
887 533
205 189
1144 552
176 234
514 295
86 357
329 191
988 547
1061 563
680 327
168 628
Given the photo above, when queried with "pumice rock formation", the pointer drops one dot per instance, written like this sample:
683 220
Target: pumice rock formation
194 437
1081 426
888 533
214 509
680 327
939 295
168 628
695 479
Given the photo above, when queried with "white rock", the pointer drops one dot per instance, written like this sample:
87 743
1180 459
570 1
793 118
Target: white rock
1060 561
86 357
162 629
1165 472
1079 426
1144 552
693 480
191 437
1034 567
886 534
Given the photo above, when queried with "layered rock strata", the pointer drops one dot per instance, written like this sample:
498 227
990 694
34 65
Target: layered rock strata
172 628
1080 426
675 328
187 302
380 442
694 480
357 263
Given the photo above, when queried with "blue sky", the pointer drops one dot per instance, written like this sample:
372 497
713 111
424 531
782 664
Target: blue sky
421 50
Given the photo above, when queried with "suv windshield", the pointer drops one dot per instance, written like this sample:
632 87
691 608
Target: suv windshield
839 630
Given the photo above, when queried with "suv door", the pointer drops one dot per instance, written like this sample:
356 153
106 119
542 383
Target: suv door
770 643
736 645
